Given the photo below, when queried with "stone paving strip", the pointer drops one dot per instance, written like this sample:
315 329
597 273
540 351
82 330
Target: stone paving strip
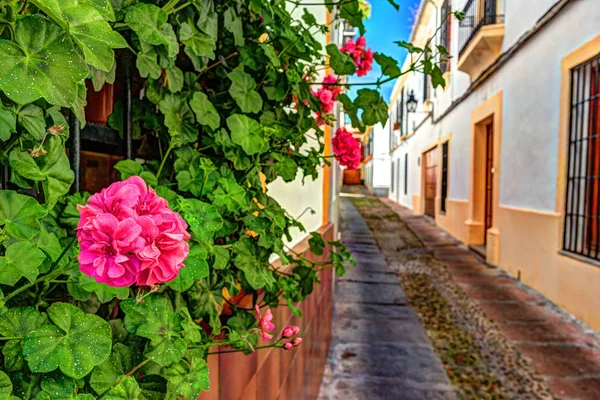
521 335
379 348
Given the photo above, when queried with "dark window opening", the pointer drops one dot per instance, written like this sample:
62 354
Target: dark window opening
444 176
406 174
582 207
446 34
393 177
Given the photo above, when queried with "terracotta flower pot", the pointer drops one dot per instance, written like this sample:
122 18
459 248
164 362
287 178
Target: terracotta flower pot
99 104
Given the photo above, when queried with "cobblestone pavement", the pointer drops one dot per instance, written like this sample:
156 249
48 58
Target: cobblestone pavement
379 348
415 286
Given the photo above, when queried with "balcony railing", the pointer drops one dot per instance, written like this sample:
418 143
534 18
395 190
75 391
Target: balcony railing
478 13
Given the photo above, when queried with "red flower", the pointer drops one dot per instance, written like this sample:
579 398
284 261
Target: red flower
347 149
363 58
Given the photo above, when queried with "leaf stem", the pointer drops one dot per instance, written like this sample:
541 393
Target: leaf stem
127 375
221 61
181 7
44 278
11 338
240 350
162 163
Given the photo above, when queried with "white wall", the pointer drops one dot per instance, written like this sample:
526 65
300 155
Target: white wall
530 82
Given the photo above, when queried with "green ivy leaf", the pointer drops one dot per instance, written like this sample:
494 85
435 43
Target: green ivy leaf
195 268
150 24
122 360
351 111
340 62
58 386
316 243
128 168
43 55
221 257
255 269
154 320
388 65
203 218
22 259
270 52
5 386
205 111
374 107
20 214
285 167
104 7
104 292
146 62
75 343
246 133
242 91
52 169
126 390
31 118
8 123
174 79
234 25
189 381
18 322
201 44
229 195
87 27
352 12
437 77
179 119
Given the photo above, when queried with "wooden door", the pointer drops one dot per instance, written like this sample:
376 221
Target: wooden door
430 165
489 180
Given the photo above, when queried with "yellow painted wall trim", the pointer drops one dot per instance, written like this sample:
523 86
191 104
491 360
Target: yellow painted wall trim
367 159
580 55
489 110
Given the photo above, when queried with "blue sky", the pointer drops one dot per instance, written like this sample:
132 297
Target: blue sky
384 27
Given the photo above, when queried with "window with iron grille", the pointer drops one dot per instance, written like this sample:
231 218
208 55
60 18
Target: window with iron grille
400 113
425 87
393 177
406 174
446 33
582 207
444 176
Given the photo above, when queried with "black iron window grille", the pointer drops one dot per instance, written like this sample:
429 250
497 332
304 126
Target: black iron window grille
406 174
393 180
446 34
425 87
478 13
400 113
582 207
444 176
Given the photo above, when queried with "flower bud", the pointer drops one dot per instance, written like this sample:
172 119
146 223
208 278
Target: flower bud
297 342
287 346
295 330
288 332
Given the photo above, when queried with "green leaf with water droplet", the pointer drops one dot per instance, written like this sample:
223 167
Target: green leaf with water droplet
255 269
203 218
76 342
229 195
22 259
201 44
126 390
195 268
43 56
154 319
150 23
233 24
8 122
5 386
18 322
187 380
122 360
86 25
31 118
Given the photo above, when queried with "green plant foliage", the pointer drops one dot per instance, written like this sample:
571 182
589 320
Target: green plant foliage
224 96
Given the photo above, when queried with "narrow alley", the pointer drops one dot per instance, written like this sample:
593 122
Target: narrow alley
448 325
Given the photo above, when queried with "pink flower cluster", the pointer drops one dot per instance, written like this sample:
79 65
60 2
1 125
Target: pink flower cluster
128 234
288 332
327 95
264 323
363 58
347 149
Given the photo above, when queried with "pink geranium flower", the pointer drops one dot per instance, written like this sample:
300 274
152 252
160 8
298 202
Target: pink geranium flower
327 95
264 323
290 331
128 234
347 149
363 58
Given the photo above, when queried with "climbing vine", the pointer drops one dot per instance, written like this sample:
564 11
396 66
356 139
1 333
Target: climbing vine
228 93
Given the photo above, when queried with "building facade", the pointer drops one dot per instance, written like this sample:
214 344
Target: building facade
376 160
506 157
